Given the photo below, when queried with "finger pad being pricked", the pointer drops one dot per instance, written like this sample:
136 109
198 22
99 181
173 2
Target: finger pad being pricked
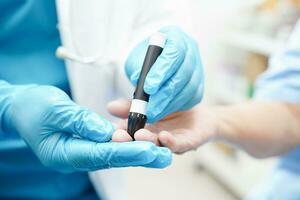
145 135
121 136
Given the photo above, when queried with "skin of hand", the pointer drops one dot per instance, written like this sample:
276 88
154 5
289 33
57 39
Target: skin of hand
176 74
180 131
67 137
262 129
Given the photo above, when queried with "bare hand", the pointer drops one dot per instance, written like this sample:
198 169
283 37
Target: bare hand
180 132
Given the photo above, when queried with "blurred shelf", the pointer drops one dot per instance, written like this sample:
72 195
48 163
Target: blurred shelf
252 42
225 97
239 172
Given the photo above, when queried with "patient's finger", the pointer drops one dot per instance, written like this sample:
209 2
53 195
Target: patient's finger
146 135
167 140
119 108
177 143
121 124
121 136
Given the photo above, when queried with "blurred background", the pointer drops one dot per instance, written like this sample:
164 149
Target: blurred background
236 39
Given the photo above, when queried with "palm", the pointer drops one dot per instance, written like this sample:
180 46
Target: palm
186 130
177 123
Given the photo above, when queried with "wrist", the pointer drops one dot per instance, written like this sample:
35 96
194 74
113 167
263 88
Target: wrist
223 128
208 122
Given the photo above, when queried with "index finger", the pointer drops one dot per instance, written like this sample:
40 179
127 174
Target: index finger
121 136
167 63
146 135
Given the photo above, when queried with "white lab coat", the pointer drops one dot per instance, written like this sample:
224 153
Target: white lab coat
109 29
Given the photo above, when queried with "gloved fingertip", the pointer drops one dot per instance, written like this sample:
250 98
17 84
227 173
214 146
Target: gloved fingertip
167 155
115 125
163 159
91 126
110 128
134 78
150 89
106 132
153 82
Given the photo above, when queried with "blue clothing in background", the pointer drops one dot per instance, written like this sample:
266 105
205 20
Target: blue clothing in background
281 82
28 39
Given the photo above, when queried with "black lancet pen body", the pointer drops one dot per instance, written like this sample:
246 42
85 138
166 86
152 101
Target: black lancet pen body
137 115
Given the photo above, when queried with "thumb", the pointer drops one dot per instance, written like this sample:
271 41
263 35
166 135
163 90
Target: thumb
80 121
119 108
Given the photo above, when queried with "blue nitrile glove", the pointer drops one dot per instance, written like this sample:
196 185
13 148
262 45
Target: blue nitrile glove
175 82
67 137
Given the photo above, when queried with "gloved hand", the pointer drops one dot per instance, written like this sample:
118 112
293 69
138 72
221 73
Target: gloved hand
175 82
67 137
